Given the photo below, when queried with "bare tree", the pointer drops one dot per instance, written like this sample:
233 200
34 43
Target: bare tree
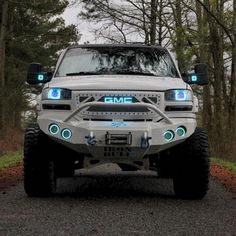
131 19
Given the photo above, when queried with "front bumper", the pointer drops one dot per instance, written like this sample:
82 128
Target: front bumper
91 137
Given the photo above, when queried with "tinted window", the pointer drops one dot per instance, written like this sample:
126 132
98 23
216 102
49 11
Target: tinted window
117 60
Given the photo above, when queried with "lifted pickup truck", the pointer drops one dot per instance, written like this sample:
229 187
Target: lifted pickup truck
124 104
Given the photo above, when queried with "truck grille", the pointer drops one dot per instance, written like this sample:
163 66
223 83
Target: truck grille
126 113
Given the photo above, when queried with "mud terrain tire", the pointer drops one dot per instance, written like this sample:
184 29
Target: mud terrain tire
39 180
191 174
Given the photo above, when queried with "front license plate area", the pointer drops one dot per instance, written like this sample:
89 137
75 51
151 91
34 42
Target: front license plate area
118 139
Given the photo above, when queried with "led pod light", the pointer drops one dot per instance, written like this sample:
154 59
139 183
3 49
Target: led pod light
66 134
169 135
181 131
54 129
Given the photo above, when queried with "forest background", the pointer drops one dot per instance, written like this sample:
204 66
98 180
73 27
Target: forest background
195 31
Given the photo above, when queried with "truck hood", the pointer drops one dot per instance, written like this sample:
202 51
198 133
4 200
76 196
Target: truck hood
118 82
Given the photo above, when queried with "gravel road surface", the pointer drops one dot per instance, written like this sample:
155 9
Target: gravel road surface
105 201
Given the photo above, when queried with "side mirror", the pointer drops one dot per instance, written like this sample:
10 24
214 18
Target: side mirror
35 74
199 77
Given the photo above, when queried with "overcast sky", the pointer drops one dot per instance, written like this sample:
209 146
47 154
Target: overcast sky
70 16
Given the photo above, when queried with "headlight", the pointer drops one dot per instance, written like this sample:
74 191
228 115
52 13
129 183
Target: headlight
56 94
179 95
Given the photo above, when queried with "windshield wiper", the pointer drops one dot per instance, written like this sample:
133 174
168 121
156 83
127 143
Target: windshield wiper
103 72
83 73
126 72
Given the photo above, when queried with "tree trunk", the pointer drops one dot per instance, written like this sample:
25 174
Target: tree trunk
216 39
232 100
3 56
160 24
180 42
153 21
204 58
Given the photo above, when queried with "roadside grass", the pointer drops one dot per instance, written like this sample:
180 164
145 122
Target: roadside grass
10 160
228 164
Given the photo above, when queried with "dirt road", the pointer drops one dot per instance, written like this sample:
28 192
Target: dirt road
108 202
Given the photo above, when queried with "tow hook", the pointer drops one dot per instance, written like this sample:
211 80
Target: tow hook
145 141
91 141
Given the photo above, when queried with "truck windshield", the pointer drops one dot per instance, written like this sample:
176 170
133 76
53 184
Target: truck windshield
117 60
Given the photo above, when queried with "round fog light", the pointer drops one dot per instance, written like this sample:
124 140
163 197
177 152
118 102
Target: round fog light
66 133
169 135
54 129
181 131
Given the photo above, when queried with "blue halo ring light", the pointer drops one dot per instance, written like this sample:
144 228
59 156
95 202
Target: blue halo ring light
181 95
66 134
169 135
54 93
54 129
181 131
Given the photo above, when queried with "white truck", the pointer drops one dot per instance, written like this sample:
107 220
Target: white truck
125 104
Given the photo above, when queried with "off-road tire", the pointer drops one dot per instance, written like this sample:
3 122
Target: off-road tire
39 179
64 161
165 164
191 174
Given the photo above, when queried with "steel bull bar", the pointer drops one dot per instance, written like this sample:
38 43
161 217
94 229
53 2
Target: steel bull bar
75 113
112 138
